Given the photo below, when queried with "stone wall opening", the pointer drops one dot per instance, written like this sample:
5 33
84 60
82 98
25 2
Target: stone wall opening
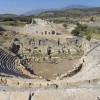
53 33
42 33
45 32
49 33
36 31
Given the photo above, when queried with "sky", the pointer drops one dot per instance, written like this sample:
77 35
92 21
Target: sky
22 6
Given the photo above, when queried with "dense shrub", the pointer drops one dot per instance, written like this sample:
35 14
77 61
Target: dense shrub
88 37
8 19
81 27
75 32
92 19
65 25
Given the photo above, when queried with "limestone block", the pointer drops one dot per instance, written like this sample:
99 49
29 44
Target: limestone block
68 94
11 82
73 51
19 96
24 84
5 95
3 81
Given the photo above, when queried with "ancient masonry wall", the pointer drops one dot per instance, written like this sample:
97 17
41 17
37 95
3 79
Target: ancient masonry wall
40 27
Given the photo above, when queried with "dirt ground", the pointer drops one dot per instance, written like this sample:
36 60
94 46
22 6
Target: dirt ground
51 71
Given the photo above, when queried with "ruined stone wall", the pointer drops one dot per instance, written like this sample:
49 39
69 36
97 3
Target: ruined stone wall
90 23
13 28
52 94
41 27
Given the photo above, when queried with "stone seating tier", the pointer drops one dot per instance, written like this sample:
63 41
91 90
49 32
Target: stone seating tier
8 66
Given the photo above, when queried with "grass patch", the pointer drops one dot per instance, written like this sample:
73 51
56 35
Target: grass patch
2 41
13 23
94 32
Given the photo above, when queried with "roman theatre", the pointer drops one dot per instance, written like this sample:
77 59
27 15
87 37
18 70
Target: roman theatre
42 60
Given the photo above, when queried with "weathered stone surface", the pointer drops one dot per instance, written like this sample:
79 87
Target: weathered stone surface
68 94
52 94
53 89
5 95
19 96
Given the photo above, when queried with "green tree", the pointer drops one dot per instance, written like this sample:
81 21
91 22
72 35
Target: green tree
65 25
75 32
88 37
84 28
81 27
8 19
92 19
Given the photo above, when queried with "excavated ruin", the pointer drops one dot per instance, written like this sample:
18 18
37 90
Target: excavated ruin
18 81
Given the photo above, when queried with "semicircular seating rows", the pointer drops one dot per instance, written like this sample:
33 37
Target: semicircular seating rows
8 66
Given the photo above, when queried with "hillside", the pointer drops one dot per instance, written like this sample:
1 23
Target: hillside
72 12
38 11
5 16
65 12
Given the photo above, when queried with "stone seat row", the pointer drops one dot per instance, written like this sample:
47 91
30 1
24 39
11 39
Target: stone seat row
7 64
